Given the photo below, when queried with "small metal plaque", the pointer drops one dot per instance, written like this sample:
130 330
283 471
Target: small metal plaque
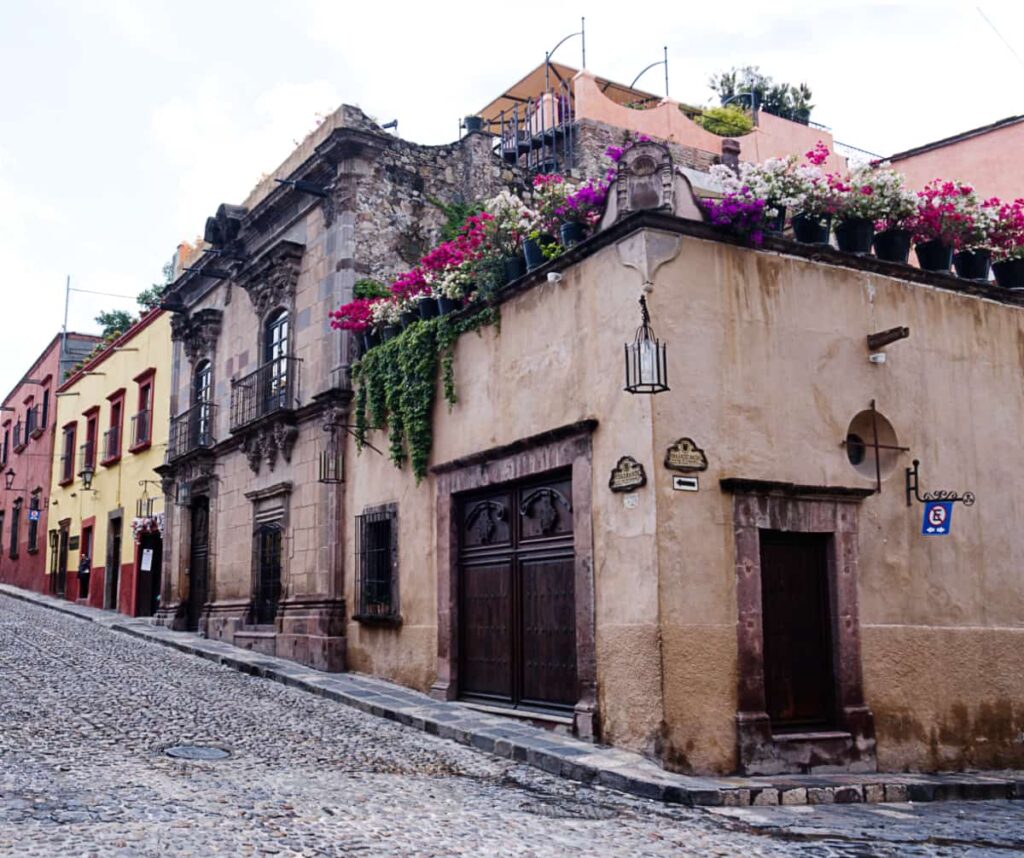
685 455
627 476
73 543
196 752
685 484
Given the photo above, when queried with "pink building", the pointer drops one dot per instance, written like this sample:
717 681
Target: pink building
27 429
983 157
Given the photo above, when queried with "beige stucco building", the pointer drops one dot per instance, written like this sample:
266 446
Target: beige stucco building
779 610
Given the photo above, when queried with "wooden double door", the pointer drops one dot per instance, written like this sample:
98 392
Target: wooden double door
517 599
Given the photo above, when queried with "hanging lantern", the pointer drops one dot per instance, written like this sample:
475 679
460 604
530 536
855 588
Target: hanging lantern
646 367
332 468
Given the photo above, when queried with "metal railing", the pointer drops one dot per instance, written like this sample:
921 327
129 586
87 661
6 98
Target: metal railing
33 421
87 455
140 428
67 466
20 437
111 443
191 430
271 388
539 134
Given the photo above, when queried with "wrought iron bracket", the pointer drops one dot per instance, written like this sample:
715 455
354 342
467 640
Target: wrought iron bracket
913 493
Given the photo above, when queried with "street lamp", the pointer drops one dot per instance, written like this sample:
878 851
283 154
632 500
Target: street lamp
646 365
87 475
9 479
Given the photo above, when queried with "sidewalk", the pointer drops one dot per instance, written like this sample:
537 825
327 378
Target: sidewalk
560 755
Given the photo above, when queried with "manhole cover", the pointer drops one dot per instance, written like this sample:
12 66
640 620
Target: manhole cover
195 752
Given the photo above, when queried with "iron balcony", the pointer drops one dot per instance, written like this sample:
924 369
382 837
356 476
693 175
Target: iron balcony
270 389
191 430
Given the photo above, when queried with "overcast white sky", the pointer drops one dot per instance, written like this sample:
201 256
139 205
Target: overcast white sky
124 123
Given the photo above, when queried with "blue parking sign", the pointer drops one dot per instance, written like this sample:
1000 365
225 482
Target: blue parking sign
938 517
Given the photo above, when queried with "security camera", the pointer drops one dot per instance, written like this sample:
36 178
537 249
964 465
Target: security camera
554 277
877 357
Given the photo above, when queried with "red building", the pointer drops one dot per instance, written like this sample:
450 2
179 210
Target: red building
27 429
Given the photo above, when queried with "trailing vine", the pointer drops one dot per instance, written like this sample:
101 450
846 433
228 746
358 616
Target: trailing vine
396 383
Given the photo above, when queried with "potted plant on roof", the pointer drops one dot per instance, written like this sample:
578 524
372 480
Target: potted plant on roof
973 257
509 223
386 317
453 286
945 214
897 207
1008 245
740 212
355 316
582 211
549 194
818 199
774 181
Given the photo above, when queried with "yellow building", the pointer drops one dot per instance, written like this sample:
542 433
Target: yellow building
107 505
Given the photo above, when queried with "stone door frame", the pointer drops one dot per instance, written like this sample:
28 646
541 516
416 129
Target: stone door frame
566 447
765 505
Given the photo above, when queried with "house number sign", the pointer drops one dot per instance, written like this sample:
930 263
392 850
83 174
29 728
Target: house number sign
685 456
627 476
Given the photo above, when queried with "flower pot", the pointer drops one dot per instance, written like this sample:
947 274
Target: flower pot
934 255
447 305
776 224
854 235
973 264
409 318
534 255
803 116
571 233
515 267
1009 273
893 245
428 307
370 339
811 228
389 332
473 123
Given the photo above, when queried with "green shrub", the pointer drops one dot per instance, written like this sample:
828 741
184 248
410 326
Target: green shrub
728 121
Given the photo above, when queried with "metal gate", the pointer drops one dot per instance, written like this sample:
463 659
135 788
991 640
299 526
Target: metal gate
517 606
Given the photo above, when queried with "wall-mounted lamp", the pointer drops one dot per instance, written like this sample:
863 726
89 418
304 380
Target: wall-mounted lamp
87 474
646 366
9 479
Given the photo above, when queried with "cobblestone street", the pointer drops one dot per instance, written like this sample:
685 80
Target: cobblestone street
86 715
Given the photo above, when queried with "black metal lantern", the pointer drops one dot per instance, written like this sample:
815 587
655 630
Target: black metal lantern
9 479
646 366
87 474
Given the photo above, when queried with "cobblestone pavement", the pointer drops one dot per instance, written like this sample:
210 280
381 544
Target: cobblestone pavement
86 714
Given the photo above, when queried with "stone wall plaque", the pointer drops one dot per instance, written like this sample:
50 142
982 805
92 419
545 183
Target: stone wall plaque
627 476
686 456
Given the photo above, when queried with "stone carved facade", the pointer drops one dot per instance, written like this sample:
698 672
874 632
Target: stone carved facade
361 202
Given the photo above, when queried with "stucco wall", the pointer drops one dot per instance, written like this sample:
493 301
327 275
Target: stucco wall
984 161
768 365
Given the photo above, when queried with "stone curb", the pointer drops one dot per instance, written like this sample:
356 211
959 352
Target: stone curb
559 755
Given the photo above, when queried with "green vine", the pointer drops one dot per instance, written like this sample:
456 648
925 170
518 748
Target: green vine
396 383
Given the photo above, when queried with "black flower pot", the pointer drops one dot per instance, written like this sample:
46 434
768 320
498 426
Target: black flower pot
534 255
776 224
473 123
571 233
428 308
1009 273
973 264
811 229
447 305
409 318
389 332
934 255
893 245
854 235
515 267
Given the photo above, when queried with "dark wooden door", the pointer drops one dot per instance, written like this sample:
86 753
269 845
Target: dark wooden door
267 586
147 588
517 600
797 619
62 559
112 583
199 561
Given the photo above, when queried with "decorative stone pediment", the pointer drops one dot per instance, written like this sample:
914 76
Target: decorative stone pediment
270 280
197 332
222 230
644 179
265 443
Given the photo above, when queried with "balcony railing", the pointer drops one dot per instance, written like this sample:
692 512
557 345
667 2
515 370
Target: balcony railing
33 422
112 444
140 429
271 388
20 437
87 456
191 430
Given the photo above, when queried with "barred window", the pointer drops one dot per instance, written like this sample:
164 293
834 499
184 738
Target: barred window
377 563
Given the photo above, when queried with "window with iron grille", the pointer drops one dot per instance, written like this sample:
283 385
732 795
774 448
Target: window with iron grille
33 524
67 456
1 531
6 446
377 564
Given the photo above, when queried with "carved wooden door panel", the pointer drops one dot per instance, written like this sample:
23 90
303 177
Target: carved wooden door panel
798 674
517 610
199 561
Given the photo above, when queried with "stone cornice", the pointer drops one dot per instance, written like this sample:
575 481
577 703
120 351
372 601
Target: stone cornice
270 279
